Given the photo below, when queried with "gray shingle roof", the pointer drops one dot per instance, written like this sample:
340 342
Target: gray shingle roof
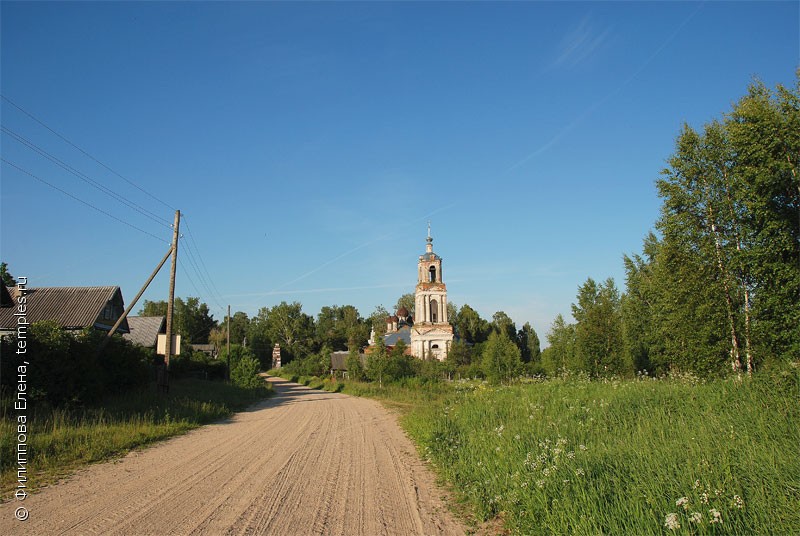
403 333
70 307
145 330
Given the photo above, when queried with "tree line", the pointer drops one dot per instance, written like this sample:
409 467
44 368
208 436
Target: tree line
308 341
717 287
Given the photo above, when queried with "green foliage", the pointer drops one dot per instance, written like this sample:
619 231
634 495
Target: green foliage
529 346
245 373
316 364
290 327
341 328
66 369
8 279
378 362
560 355
355 370
502 323
469 325
501 358
598 331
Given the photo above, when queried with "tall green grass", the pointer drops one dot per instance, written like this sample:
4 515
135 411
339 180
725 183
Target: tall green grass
60 440
573 456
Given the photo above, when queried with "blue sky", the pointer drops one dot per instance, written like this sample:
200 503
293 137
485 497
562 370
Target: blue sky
308 144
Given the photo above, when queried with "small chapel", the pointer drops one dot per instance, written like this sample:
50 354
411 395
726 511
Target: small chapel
429 333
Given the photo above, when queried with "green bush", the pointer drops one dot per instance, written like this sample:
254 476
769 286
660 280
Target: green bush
65 368
245 373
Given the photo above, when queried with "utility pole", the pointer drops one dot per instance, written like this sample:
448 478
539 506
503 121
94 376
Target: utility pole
229 343
171 301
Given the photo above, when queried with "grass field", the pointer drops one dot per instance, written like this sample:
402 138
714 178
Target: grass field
59 441
638 456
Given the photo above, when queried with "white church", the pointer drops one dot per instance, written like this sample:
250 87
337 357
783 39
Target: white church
429 334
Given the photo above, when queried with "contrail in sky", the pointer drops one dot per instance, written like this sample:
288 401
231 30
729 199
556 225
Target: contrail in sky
567 129
353 250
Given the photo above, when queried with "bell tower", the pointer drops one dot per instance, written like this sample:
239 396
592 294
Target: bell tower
432 333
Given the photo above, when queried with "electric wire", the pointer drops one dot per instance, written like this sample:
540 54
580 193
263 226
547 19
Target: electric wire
203 264
85 153
26 172
201 278
186 273
85 178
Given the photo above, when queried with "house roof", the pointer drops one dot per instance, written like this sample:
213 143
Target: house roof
70 307
145 330
403 333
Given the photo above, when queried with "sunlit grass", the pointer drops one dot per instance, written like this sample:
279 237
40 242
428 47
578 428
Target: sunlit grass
573 456
60 440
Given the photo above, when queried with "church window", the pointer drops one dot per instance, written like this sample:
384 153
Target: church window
432 274
434 311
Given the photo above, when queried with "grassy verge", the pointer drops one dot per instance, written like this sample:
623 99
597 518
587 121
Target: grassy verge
646 456
59 441
573 456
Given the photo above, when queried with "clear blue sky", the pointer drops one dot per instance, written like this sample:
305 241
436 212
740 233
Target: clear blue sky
309 143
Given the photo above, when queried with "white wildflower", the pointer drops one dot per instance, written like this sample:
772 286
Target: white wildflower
716 517
582 447
738 502
671 522
684 502
696 517
696 484
579 472
704 498
570 454
540 483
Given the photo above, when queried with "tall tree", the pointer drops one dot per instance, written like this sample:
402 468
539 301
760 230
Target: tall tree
764 131
560 355
502 323
598 329
290 327
8 280
501 358
469 325
528 342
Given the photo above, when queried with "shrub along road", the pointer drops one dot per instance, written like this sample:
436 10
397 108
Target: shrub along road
302 462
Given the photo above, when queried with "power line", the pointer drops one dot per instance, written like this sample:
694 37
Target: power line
85 178
186 273
203 264
200 276
85 153
53 186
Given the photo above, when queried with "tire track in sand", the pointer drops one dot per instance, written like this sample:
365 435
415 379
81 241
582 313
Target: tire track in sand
302 462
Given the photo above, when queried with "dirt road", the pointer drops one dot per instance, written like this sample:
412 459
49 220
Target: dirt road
303 462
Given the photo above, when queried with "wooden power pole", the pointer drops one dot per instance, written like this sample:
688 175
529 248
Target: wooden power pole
229 343
171 301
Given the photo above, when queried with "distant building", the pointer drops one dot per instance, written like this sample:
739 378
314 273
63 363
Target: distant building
428 334
72 308
144 330
431 334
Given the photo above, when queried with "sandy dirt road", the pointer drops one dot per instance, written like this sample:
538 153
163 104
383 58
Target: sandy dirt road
303 462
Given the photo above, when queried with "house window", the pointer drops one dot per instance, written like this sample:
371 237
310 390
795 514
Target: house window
108 312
